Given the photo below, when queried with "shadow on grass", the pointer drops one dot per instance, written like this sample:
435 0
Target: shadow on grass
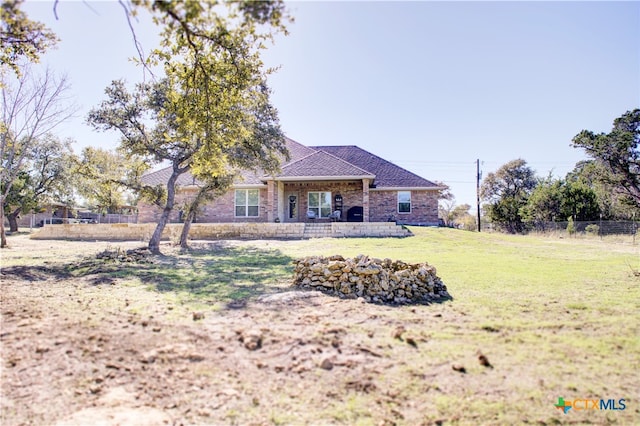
216 274
210 274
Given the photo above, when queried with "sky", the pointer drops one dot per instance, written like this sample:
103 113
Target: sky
430 86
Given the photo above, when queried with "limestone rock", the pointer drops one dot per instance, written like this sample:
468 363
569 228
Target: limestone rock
375 280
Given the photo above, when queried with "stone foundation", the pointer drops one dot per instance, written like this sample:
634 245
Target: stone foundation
375 280
214 231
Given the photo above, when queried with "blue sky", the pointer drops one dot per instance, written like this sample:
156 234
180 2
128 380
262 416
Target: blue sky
431 86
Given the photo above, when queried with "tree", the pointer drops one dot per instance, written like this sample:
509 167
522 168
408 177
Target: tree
618 152
206 104
45 176
32 106
261 148
545 202
579 201
507 191
455 215
613 205
105 179
21 38
215 186
557 200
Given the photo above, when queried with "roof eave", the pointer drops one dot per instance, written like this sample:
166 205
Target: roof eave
248 185
407 188
323 178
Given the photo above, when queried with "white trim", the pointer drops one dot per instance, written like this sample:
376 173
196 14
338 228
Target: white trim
246 206
249 186
398 202
311 178
319 207
408 188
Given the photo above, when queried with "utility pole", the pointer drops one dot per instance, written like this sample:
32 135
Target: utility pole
478 190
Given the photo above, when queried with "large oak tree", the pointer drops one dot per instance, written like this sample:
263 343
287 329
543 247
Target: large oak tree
618 153
210 99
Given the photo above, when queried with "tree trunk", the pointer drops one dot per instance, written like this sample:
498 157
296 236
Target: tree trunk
186 227
154 242
3 236
13 220
203 194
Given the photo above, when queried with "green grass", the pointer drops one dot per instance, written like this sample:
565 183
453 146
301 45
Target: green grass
557 317
562 313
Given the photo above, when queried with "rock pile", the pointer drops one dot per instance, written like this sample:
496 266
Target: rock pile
139 255
375 280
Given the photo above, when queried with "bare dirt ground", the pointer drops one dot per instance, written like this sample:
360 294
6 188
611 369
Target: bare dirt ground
99 349
92 351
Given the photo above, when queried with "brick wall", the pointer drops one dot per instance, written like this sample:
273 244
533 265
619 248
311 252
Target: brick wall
383 204
220 210
424 207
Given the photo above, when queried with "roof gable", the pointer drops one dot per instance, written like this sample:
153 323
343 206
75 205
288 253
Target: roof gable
296 150
322 164
388 175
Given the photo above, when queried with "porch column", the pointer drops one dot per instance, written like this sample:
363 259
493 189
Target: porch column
365 200
281 201
271 194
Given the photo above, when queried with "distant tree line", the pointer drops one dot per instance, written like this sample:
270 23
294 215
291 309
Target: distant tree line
606 186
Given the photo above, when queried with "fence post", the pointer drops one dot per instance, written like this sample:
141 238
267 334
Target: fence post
600 227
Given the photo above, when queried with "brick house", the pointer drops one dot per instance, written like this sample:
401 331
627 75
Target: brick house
312 186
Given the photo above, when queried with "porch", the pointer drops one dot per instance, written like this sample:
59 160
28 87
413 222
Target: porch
320 201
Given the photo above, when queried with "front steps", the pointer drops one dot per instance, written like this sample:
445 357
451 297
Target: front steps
317 230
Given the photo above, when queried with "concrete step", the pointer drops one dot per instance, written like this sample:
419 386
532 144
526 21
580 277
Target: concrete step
317 230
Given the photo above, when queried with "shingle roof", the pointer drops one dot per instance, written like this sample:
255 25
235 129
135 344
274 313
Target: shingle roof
322 164
297 150
316 162
388 175
247 177
161 177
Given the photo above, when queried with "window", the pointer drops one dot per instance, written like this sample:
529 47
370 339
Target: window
404 201
247 202
320 203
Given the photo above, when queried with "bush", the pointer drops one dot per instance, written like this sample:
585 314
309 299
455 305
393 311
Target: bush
592 229
571 227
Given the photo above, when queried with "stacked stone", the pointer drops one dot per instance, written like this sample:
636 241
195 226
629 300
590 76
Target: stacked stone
375 280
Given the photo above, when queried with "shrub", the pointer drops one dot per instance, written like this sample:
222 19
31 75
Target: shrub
592 229
571 227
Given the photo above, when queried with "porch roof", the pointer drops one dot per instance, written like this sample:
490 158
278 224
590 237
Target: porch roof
322 165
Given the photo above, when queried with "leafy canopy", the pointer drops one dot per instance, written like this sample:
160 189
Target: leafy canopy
210 112
20 37
507 191
618 152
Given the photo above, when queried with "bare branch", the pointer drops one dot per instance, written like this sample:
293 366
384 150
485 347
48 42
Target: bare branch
31 107
136 42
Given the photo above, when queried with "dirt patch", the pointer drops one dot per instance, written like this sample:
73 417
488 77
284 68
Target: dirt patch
83 342
72 351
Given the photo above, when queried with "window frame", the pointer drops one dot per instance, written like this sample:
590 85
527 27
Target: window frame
246 204
400 211
317 209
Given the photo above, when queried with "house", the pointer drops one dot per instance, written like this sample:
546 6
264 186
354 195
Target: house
318 184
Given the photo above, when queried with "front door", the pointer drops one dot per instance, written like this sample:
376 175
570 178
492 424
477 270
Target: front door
292 207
